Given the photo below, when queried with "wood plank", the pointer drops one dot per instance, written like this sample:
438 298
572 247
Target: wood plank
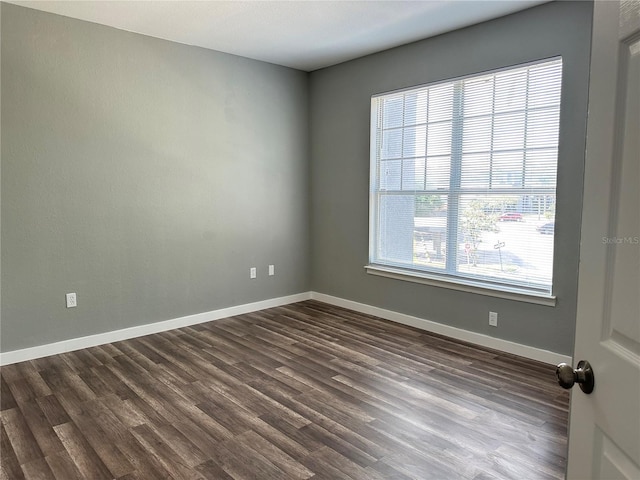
163 453
277 457
6 397
52 409
145 461
81 452
102 440
40 427
20 437
9 463
329 460
38 469
246 464
63 467
211 469
37 384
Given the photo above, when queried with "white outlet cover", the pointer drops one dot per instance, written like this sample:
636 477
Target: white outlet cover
272 270
253 273
71 300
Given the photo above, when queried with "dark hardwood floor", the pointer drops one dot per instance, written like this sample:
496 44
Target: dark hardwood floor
302 391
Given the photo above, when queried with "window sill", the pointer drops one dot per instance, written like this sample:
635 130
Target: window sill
510 293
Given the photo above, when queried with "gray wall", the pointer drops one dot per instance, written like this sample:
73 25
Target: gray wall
145 175
148 176
340 119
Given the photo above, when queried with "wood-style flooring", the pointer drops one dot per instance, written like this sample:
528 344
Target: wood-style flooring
302 391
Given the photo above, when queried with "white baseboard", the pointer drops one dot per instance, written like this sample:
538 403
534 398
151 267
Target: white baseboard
526 351
7 358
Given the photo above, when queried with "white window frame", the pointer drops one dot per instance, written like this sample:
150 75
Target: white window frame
449 277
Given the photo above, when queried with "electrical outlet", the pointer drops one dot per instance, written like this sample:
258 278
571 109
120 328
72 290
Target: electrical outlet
493 319
72 301
253 272
272 270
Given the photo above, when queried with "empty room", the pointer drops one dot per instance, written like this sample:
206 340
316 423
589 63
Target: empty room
320 240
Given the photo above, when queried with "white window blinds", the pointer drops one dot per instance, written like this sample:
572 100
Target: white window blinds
463 177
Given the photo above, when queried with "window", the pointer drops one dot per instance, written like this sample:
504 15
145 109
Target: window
463 179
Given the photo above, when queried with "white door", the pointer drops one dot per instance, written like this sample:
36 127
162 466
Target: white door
604 427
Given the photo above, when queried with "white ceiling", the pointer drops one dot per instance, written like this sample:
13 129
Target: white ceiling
303 34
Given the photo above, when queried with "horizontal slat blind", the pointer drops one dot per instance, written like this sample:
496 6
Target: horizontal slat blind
464 176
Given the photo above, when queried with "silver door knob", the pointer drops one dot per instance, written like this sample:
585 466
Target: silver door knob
583 375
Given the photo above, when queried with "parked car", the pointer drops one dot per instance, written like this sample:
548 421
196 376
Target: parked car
510 217
547 228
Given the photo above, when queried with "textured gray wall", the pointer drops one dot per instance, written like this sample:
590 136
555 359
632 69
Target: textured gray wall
148 176
145 175
340 119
